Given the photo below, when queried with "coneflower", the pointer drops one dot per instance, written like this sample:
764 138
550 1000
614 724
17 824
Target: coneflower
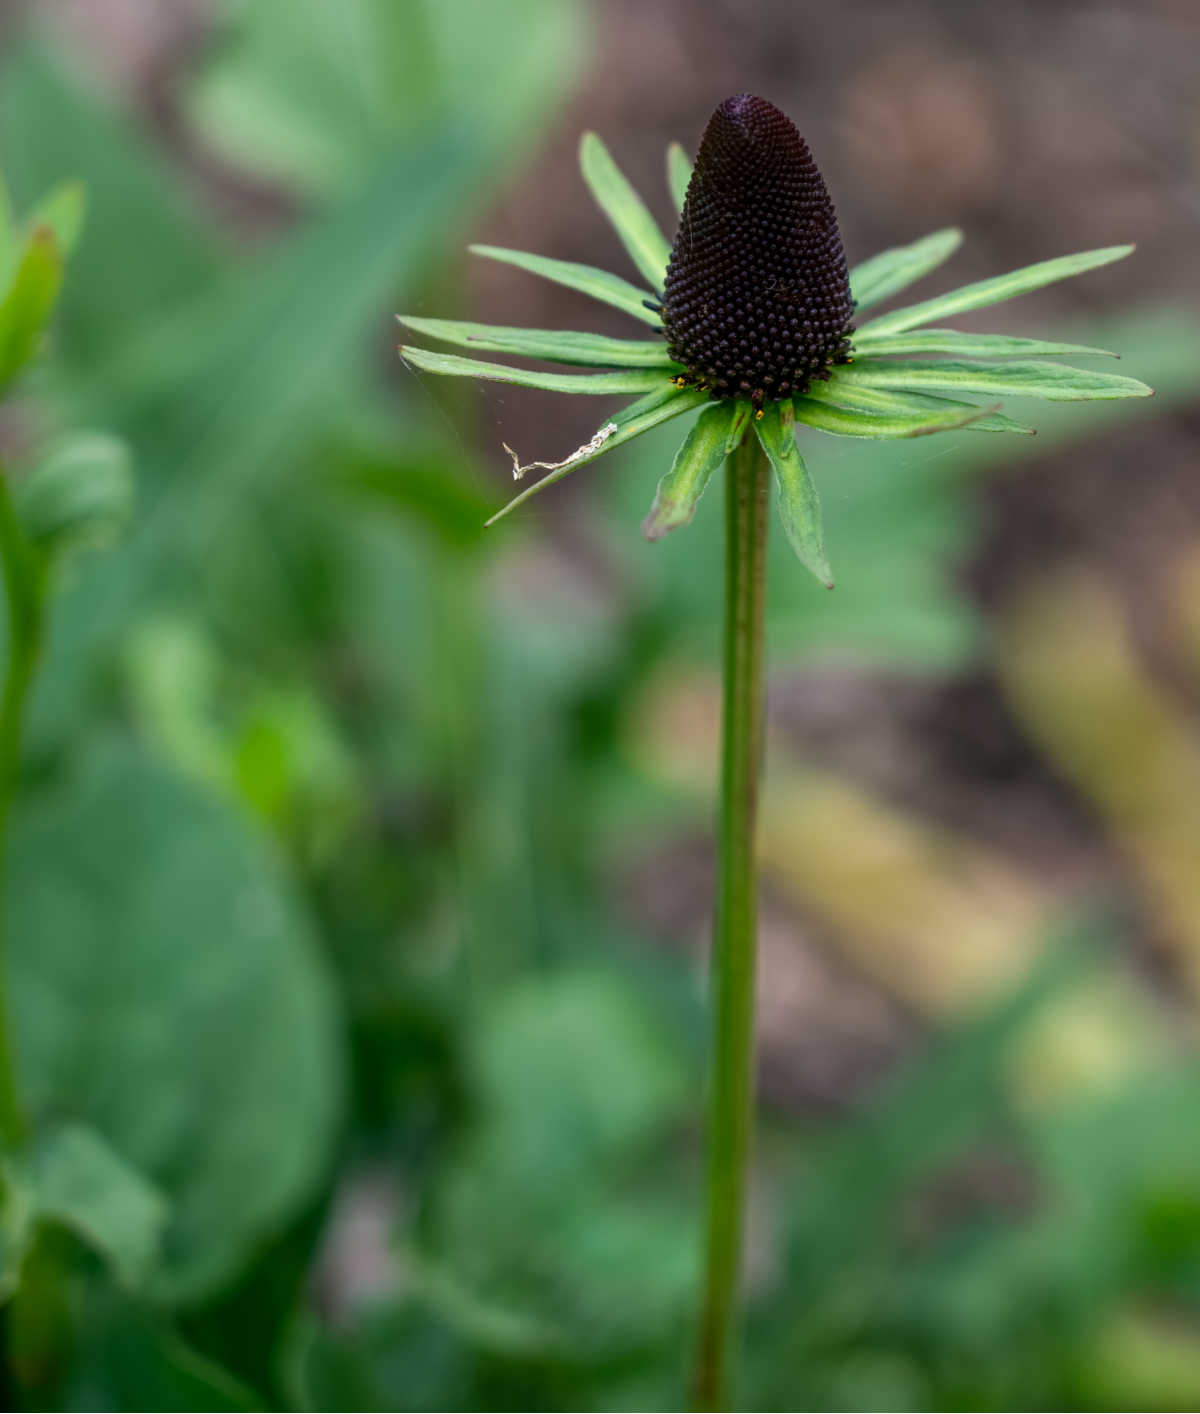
753 306
756 303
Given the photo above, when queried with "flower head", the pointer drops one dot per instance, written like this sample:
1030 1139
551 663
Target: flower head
755 304
756 301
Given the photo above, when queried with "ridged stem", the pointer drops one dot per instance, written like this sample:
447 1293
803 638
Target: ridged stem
731 1078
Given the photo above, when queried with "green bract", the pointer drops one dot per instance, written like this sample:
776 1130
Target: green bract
907 378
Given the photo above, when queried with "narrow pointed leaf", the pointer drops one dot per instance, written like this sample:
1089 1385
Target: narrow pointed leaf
1054 381
556 345
679 492
679 173
994 291
888 402
887 426
737 428
599 284
26 308
955 341
639 417
799 507
647 246
625 381
893 270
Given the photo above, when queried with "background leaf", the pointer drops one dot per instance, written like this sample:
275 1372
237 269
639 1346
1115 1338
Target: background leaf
27 305
179 1009
76 1179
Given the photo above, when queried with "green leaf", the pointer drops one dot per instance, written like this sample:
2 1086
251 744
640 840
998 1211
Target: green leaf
556 345
625 381
599 284
886 402
647 246
955 341
679 173
680 490
631 422
995 290
798 504
883 425
63 209
27 306
1054 381
893 270
78 1180
79 495
180 1007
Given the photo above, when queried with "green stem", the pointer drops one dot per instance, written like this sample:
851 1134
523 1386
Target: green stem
731 1083
23 595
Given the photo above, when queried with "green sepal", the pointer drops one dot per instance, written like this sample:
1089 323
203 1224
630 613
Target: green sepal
893 270
679 492
743 412
679 173
884 425
994 291
555 345
626 211
652 410
799 507
1053 381
599 284
887 402
964 345
632 380
26 308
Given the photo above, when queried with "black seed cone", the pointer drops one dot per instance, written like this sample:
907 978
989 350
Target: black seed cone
757 298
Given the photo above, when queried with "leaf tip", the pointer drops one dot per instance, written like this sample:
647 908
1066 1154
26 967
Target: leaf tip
665 517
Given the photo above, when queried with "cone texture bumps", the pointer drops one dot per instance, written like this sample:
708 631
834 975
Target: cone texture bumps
757 295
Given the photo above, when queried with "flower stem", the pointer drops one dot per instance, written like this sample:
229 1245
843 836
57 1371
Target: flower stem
23 596
731 1083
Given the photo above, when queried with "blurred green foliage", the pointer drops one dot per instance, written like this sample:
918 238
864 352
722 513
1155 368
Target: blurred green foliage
351 1088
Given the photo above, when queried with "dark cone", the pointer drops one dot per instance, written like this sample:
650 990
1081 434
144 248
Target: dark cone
757 297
